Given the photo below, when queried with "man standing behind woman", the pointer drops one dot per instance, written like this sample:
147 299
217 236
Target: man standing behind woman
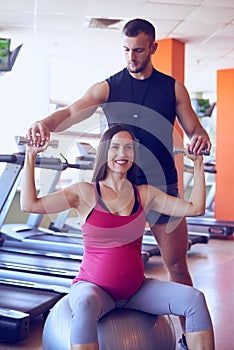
148 101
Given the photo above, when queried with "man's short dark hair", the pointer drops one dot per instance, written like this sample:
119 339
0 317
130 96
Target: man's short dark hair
137 26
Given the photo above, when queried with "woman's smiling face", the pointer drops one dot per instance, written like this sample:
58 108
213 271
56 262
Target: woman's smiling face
121 152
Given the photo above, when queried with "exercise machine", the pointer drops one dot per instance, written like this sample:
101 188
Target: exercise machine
31 235
36 270
211 226
207 223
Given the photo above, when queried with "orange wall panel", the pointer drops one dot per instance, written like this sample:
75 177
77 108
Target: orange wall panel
169 59
224 196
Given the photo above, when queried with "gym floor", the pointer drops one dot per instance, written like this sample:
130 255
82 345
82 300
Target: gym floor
212 269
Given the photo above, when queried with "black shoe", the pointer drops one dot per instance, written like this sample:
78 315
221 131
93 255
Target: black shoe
182 343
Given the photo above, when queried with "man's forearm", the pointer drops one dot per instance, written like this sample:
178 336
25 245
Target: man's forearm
199 131
57 121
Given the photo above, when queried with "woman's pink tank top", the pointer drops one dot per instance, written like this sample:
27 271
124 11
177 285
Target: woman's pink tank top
112 251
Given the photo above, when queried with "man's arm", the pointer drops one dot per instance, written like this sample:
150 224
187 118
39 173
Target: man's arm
76 112
189 121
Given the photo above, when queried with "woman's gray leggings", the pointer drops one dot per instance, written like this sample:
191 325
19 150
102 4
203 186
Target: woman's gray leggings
90 302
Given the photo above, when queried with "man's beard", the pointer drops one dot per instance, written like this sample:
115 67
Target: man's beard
142 66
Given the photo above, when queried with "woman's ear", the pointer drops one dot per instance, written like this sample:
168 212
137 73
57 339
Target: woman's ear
153 48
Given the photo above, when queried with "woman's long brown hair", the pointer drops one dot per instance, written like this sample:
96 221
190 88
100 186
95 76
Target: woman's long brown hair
100 168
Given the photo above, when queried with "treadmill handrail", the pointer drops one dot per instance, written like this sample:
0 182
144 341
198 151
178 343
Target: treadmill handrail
18 158
46 162
35 285
8 158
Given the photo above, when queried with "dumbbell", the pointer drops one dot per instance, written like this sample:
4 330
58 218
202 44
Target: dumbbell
21 140
178 150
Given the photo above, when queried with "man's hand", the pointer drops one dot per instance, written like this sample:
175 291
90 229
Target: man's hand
38 134
199 144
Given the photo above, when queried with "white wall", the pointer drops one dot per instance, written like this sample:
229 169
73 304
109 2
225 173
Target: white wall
38 76
24 94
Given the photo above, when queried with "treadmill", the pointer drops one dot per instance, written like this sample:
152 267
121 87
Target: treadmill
33 277
207 223
31 235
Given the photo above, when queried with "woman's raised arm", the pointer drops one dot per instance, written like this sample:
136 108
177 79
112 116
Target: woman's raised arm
155 199
51 203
